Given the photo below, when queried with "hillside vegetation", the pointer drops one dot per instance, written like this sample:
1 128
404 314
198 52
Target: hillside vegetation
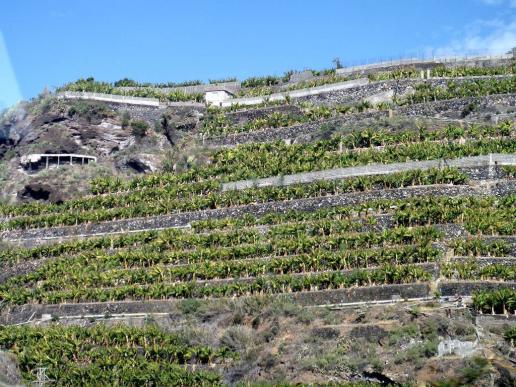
387 233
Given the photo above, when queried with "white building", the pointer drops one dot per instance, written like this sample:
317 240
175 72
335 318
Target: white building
216 97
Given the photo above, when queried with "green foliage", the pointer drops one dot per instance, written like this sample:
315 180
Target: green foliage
475 369
468 71
268 80
510 335
157 205
93 112
417 353
126 82
126 119
139 128
103 355
510 170
222 80
495 301
471 270
401 73
478 247
324 221
149 91
425 92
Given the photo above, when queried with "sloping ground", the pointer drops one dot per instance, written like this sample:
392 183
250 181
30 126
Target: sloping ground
251 282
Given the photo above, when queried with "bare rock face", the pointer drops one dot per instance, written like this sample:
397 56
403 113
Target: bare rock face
176 121
9 372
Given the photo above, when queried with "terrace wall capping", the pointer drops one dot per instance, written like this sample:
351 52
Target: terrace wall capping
296 93
126 99
490 160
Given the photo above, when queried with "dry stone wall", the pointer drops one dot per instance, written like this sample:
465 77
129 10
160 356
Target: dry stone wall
304 132
400 87
23 313
32 237
468 288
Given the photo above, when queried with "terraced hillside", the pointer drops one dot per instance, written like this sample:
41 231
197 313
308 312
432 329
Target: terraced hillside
318 239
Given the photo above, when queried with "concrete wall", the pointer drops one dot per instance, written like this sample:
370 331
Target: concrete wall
486 61
216 97
110 98
372 169
196 89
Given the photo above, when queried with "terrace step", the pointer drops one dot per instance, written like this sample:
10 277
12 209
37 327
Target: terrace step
467 163
43 235
23 313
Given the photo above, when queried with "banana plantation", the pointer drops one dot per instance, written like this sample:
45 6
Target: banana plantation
83 279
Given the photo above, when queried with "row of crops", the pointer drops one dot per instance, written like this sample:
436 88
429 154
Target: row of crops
443 71
426 92
484 215
227 199
501 301
331 249
129 356
199 188
93 86
121 355
218 124
265 88
111 356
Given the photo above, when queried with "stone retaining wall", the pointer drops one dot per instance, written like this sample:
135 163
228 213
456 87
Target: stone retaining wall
365 294
488 261
400 87
297 94
19 314
153 114
477 167
43 235
467 288
305 132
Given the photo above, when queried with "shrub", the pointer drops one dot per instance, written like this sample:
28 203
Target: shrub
92 112
126 82
139 128
268 80
126 119
223 80
237 338
189 306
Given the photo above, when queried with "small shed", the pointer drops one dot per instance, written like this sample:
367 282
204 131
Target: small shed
217 96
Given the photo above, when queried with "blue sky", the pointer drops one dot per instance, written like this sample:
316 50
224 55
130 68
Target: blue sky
51 42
